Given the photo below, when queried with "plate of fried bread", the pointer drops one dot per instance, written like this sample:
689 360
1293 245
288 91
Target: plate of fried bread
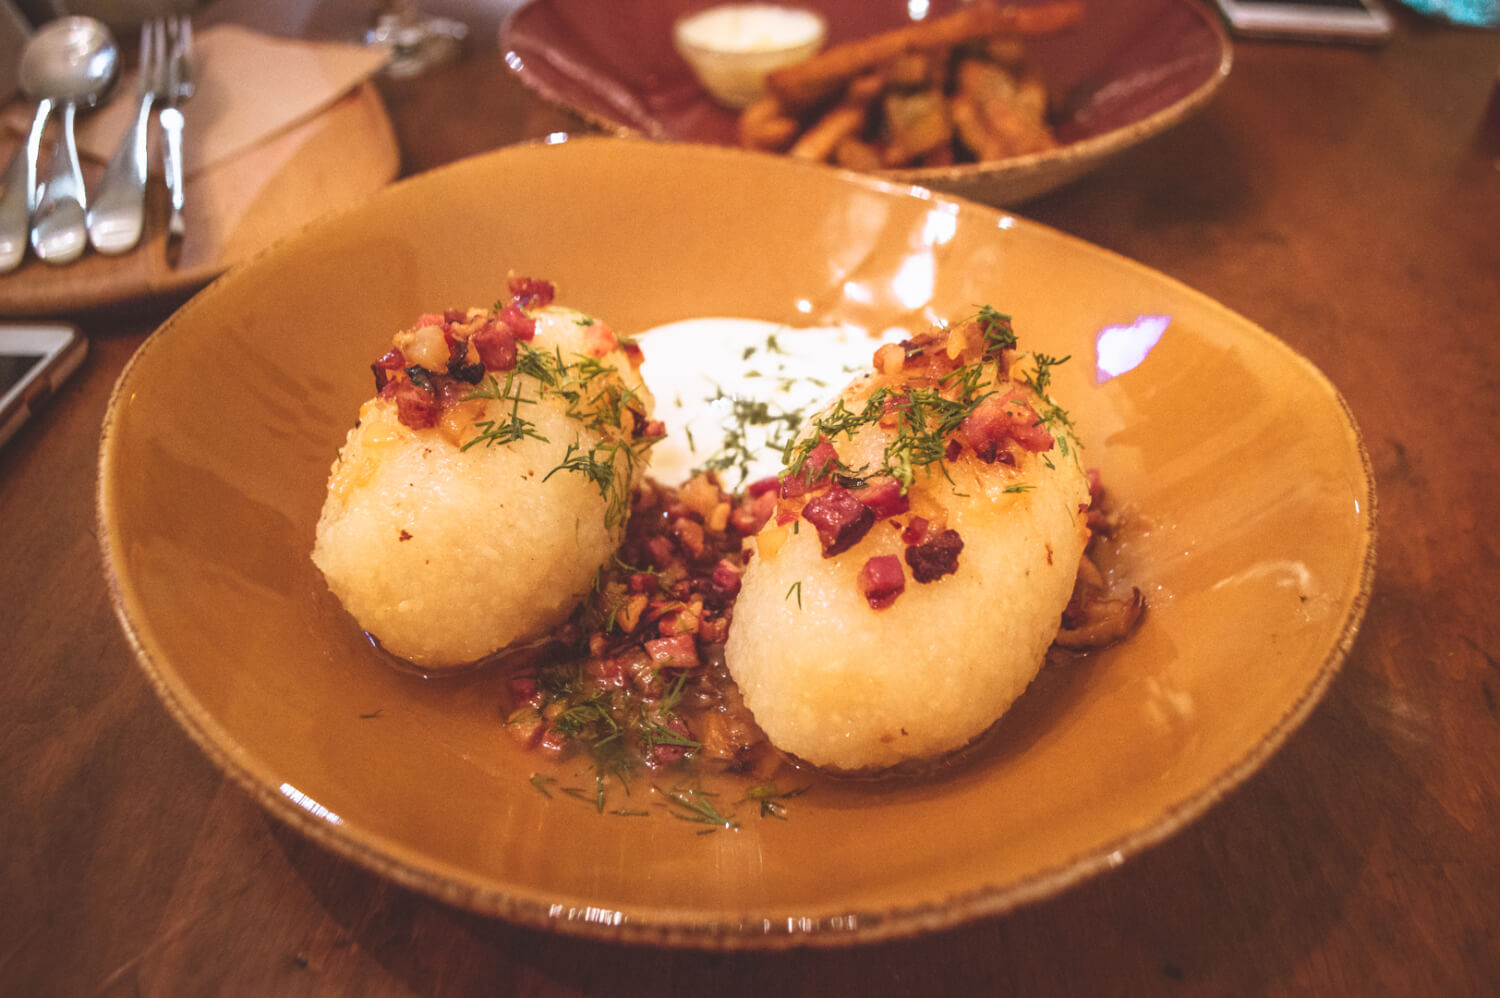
996 102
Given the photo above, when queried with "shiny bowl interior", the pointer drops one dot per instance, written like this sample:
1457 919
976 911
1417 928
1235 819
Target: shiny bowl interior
1247 492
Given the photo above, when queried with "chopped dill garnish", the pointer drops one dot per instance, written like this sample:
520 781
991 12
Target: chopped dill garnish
737 451
502 431
688 804
540 782
1042 378
1019 487
796 588
997 331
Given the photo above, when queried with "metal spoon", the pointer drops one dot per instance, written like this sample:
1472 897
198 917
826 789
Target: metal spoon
68 62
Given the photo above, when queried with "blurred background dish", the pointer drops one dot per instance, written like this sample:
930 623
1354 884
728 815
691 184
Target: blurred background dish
1127 71
1220 442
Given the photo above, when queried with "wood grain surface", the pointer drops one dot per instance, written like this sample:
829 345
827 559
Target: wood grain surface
1347 200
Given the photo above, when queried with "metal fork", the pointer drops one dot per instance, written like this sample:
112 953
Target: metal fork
182 72
117 215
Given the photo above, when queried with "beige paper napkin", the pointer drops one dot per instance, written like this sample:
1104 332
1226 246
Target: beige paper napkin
251 86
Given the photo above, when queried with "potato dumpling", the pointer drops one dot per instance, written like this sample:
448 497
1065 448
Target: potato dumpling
489 479
925 544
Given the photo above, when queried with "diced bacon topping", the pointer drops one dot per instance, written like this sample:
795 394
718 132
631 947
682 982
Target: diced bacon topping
531 291
391 360
522 326
496 345
599 339
679 651
659 754
524 689
841 519
1005 417
415 407
884 498
820 463
754 510
725 581
881 580
935 557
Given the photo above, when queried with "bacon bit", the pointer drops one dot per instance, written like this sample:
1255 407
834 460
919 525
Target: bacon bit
881 580
531 291
841 519
725 580
891 409
916 530
1005 417
761 486
391 360
679 651
599 339
664 755
752 512
820 464
496 346
415 407
405 535
525 690
885 498
553 742
935 557
430 319
521 325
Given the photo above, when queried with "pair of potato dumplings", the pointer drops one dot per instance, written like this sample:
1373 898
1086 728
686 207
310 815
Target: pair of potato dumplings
475 500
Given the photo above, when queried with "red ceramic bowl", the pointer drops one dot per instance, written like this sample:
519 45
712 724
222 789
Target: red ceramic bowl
1129 70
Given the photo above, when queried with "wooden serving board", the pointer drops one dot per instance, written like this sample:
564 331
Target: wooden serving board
234 209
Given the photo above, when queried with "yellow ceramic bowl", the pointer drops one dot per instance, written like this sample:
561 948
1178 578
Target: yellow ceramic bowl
1247 489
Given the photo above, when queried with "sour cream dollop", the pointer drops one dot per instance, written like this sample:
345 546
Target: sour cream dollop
731 48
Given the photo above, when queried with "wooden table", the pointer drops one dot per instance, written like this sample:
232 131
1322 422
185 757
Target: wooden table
1347 200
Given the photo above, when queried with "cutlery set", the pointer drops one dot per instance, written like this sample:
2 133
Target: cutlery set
71 62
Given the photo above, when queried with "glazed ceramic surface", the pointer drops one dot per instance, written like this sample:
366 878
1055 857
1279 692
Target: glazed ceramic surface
1129 70
1245 488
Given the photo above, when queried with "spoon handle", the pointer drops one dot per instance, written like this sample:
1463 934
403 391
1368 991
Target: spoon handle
19 194
58 231
118 212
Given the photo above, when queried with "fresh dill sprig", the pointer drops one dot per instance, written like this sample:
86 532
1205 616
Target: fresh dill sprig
688 804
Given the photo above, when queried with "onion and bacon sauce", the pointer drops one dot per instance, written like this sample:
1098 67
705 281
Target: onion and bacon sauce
636 683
